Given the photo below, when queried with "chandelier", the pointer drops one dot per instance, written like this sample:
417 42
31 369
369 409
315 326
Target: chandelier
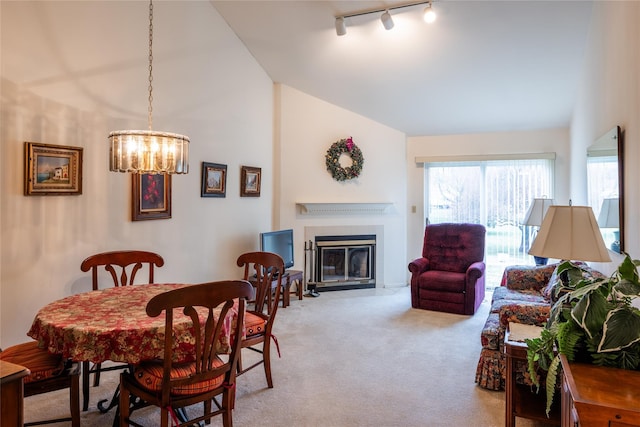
148 151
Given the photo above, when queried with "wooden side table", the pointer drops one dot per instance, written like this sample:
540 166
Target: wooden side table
12 393
291 276
594 396
520 399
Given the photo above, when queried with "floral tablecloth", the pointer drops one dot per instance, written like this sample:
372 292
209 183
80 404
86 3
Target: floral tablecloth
112 324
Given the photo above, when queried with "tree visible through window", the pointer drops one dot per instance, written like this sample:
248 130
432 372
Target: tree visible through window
495 193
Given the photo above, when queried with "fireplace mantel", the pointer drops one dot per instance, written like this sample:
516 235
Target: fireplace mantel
343 208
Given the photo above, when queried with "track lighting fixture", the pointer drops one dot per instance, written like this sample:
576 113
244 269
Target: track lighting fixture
387 21
341 28
429 14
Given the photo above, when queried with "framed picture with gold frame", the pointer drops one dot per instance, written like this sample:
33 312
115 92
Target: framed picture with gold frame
214 180
52 170
250 180
151 196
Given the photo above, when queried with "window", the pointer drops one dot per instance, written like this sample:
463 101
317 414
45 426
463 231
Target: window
495 193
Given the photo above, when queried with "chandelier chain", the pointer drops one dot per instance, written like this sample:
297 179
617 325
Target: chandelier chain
150 63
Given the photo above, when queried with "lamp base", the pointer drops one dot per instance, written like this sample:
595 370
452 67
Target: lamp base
615 246
540 260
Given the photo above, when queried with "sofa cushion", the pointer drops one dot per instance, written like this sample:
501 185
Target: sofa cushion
524 301
525 295
526 277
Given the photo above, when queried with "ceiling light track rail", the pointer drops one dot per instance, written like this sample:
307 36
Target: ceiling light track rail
370 11
387 21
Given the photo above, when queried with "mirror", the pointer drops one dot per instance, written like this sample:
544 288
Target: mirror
605 187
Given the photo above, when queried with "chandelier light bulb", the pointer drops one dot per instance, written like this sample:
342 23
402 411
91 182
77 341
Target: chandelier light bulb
387 21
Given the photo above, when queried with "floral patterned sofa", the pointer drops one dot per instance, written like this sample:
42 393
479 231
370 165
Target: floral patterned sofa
524 296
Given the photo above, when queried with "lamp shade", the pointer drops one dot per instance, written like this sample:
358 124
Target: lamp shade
536 212
609 216
570 233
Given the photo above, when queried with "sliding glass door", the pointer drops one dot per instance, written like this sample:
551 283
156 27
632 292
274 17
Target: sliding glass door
495 193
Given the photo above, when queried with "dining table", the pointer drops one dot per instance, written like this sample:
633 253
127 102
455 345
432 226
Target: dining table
112 324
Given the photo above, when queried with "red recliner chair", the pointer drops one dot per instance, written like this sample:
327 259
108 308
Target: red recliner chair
450 275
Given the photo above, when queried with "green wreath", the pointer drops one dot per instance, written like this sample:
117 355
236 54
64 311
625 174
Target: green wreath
337 149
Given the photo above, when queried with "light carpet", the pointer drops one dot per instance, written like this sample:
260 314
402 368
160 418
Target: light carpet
350 358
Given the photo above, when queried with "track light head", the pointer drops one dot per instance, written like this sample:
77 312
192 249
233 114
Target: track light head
341 27
387 21
429 14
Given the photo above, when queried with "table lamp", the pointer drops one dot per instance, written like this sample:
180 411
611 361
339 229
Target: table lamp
534 216
609 217
570 233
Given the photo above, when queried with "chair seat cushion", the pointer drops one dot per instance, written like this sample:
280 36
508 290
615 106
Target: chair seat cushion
39 361
149 376
254 324
445 281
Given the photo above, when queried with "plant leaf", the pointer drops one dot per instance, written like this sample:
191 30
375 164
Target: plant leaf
627 269
621 329
590 312
552 378
627 288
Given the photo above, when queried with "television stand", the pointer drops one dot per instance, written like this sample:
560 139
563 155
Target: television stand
290 277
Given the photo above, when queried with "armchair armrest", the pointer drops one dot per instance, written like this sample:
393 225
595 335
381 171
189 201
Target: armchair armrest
531 313
475 271
419 265
525 277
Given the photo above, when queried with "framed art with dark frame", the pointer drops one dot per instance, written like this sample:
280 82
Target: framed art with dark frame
52 170
250 179
151 196
214 180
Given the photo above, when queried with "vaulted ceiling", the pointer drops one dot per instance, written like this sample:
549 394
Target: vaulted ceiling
482 66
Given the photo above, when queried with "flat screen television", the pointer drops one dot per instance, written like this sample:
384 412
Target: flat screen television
279 242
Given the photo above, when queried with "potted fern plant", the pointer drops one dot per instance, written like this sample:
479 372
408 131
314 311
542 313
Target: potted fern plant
594 320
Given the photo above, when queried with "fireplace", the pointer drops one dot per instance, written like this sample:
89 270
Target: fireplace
344 262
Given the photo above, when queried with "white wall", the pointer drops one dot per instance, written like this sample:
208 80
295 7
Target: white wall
609 95
540 141
305 129
72 72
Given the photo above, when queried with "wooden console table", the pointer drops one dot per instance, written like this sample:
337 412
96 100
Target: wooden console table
289 278
12 393
520 399
597 396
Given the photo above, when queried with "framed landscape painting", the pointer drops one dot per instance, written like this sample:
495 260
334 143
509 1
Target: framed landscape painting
151 194
250 179
52 170
214 180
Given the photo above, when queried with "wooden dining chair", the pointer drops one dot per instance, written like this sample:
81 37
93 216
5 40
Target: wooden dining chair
123 267
172 385
49 372
265 271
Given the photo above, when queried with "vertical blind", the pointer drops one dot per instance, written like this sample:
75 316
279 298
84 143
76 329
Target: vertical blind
495 193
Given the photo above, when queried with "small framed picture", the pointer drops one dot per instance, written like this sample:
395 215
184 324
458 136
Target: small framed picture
250 179
214 180
151 194
52 170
